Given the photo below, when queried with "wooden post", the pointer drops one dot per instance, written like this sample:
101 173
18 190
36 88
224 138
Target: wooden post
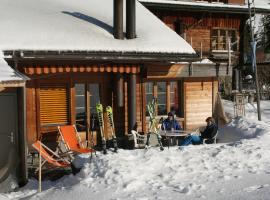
201 50
229 52
168 96
39 170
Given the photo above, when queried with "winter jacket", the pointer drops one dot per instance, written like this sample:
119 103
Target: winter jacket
209 132
168 125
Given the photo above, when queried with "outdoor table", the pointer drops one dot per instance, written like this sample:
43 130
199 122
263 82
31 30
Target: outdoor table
173 134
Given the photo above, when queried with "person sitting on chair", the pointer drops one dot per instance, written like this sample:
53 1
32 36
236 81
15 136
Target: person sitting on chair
208 133
170 123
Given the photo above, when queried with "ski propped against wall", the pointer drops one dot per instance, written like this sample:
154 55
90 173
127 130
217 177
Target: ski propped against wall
111 121
153 123
99 109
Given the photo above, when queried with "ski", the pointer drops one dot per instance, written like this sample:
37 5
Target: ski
110 116
153 124
99 109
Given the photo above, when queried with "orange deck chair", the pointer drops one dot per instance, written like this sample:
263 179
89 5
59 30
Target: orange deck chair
49 156
72 140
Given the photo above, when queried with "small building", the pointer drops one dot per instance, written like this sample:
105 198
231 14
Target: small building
12 127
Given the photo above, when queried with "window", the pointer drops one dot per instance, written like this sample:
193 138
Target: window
166 94
83 104
219 39
53 105
80 107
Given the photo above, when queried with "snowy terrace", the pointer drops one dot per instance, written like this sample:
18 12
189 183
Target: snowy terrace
79 25
238 167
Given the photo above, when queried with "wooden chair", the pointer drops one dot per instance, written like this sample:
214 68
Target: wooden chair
72 140
49 156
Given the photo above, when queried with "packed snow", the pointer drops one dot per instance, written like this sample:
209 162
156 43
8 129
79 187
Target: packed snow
237 167
79 25
7 74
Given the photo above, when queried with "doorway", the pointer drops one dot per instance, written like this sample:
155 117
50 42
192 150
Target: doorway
87 95
8 141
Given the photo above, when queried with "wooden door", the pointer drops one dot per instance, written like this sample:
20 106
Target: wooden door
8 140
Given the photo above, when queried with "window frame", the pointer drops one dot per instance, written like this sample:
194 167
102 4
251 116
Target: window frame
168 95
227 30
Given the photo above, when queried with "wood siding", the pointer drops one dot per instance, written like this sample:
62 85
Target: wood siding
198 102
236 2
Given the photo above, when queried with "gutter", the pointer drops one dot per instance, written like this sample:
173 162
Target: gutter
132 57
204 8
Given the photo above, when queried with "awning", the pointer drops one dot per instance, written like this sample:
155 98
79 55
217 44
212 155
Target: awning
10 77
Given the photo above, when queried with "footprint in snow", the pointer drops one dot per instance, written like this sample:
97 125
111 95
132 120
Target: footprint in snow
255 187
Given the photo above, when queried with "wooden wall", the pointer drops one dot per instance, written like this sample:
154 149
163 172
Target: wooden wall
199 100
237 2
203 41
196 26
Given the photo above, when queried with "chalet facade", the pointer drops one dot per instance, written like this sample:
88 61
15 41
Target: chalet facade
74 59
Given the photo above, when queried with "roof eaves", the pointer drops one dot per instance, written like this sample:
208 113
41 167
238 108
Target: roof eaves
104 56
205 8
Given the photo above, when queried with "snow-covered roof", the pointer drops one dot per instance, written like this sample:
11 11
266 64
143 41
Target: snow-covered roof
9 76
261 5
80 25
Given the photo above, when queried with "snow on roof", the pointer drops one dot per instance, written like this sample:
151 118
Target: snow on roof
80 25
7 74
259 4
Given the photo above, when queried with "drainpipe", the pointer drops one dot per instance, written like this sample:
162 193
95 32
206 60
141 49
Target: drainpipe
22 141
119 90
131 102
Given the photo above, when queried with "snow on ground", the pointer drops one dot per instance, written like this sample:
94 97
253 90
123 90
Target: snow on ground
238 167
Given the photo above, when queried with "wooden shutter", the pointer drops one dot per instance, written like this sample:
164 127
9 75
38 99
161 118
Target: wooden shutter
53 104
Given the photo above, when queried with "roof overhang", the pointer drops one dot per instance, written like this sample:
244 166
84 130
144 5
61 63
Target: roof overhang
118 57
202 8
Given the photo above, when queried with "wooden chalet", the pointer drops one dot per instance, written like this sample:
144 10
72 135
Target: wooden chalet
77 53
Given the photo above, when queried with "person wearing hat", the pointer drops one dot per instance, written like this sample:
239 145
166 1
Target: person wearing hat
170 124
208 133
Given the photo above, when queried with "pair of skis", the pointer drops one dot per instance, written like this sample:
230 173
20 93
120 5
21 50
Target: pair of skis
109 111
153 123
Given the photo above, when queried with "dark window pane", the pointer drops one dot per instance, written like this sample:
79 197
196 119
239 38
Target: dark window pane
80 107
161 99
94 97
162 110
161 87
80 101
79 89
149 87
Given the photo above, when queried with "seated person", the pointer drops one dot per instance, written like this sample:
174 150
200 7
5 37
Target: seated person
208 133
170 123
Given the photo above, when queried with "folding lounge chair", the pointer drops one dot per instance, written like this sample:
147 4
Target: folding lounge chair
49 156
72 140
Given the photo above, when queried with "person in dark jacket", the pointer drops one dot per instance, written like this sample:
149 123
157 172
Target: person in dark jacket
170 124
208 133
